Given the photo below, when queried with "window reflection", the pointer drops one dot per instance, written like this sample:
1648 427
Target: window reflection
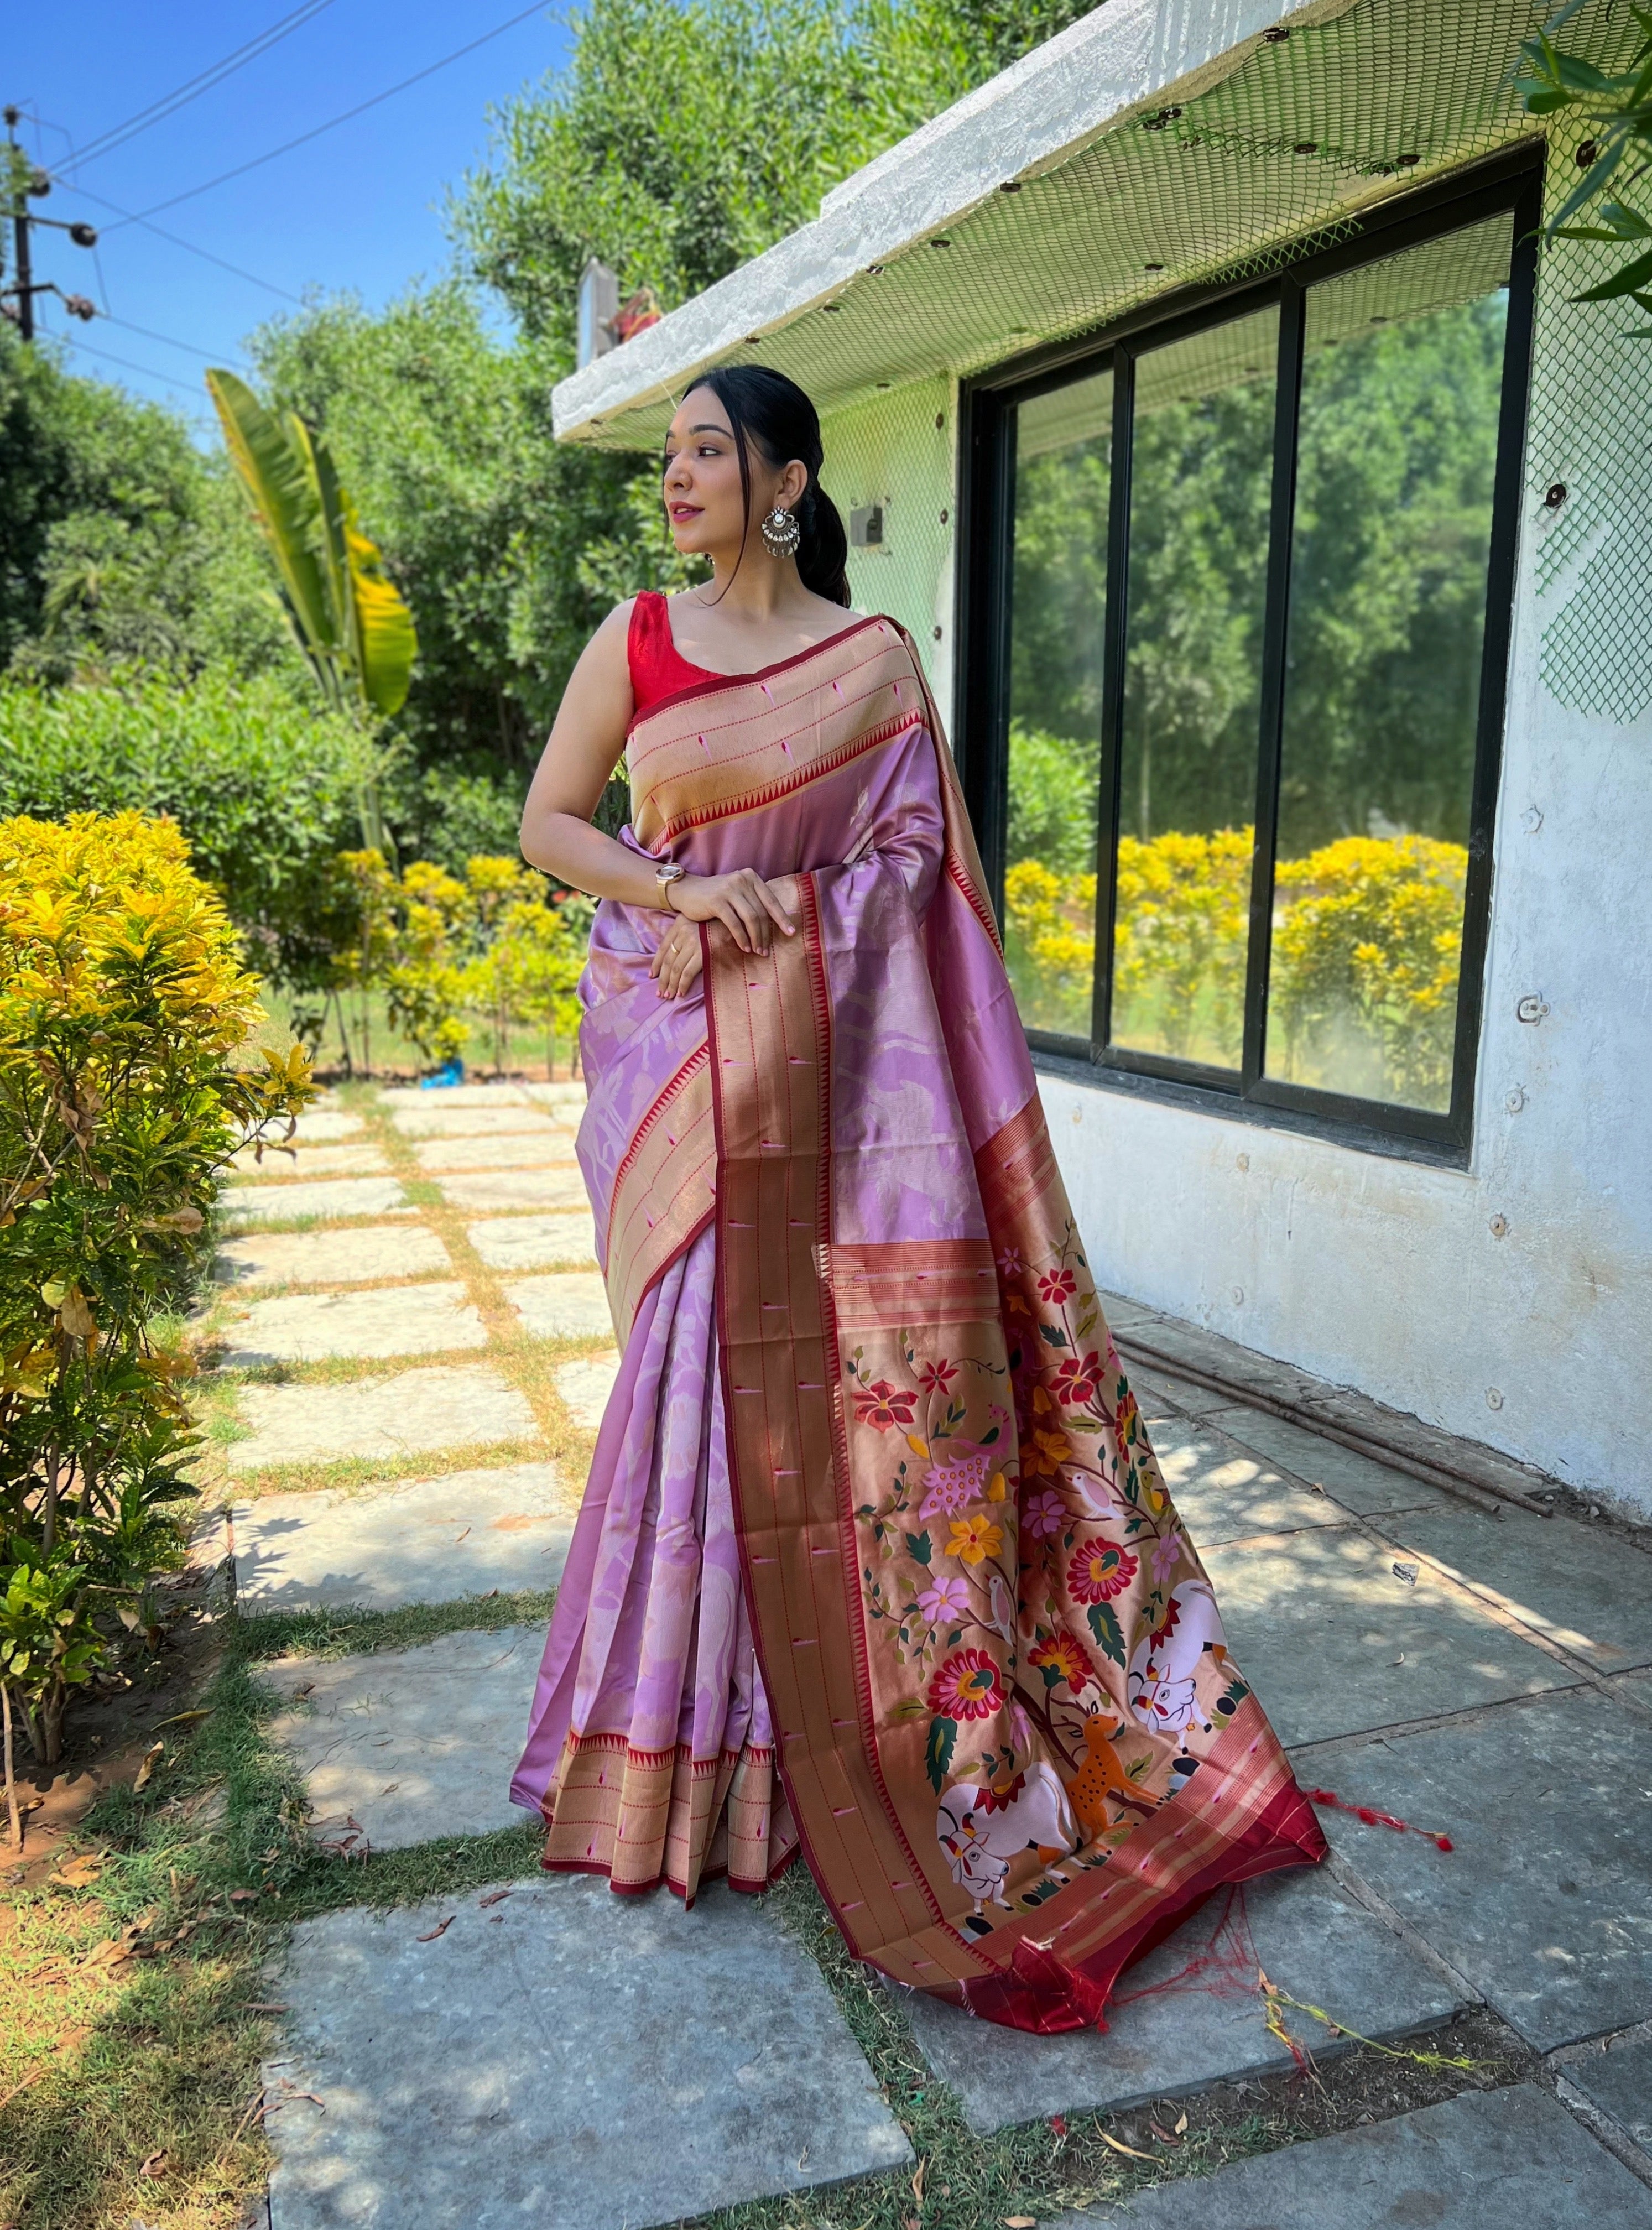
1396 453
1063 482
1201 479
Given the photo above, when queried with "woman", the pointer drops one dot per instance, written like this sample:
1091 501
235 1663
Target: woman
874 1558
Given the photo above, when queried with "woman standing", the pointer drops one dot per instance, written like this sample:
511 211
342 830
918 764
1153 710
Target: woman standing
874 1556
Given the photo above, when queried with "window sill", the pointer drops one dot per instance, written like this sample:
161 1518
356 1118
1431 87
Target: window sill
1228 1108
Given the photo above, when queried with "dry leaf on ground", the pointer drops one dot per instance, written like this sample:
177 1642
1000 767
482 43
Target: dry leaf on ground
441 1929
1119 2146
146 1770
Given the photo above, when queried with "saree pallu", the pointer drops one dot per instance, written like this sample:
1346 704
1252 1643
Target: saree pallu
877 1557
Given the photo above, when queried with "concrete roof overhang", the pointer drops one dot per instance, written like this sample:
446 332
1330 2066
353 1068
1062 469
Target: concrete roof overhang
1062 195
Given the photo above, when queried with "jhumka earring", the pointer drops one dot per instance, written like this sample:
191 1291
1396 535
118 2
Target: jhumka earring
781 533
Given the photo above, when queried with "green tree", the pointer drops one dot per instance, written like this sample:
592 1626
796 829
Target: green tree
122 540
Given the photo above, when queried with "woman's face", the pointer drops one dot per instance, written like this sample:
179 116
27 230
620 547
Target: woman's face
702 481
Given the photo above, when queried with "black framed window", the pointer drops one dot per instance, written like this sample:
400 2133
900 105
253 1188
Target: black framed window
1235 634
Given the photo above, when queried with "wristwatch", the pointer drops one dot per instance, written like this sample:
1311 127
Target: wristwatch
665 874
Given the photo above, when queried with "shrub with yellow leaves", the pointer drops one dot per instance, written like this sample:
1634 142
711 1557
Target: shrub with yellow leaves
124 1007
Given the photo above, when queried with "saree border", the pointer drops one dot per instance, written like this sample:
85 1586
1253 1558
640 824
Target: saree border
681 1171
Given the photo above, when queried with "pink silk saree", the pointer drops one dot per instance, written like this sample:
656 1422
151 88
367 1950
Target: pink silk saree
875 1557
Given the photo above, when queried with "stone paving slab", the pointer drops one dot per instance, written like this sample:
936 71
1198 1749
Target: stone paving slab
331 1258
431 1540
410 1744
347 1161
568 1304
543 1150
571 1095
453 1095
390 1320
320 1126
413 1412
1162 1395
1313 1939
1335 1643
1545 1904
585 1388
1581 1585
1617 2081
563 2058
1498 2160
335 1196
1226 1492
523 1242
444 1122
519 1188
1363 1484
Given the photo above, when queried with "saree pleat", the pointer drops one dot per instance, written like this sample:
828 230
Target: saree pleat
876 1559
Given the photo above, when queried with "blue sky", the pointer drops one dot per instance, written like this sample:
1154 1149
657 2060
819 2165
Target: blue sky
359 207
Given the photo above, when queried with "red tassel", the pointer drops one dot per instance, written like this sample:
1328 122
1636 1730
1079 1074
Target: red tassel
1372 1818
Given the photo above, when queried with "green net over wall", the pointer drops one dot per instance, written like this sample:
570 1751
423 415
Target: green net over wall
1303 135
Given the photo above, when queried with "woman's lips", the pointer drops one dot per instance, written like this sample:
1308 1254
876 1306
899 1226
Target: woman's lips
683 511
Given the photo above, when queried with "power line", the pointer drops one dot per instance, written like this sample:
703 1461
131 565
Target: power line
147 370
207 356
168 103
333 122
189 246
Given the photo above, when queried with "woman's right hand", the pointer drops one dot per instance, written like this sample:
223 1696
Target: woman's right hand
743 902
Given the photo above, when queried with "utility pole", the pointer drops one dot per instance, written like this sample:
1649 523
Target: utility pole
17 301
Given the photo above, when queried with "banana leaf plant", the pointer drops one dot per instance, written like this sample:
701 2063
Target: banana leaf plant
1616 108
348 617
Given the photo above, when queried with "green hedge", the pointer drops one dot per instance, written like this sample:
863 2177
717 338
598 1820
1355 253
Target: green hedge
263 786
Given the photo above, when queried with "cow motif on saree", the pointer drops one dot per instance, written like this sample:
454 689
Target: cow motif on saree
996 1703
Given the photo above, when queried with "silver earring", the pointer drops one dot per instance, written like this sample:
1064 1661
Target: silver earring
781 533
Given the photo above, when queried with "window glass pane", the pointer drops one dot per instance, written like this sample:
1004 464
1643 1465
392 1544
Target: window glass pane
1063 476
1202 447
1396 453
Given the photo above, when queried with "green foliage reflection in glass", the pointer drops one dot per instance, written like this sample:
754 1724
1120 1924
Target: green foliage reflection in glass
1397 452
1202 443
1063 484
1396 459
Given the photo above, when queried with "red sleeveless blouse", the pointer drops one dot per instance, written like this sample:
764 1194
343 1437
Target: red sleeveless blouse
658 667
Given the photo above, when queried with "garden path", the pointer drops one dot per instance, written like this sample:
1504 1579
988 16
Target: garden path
408 1389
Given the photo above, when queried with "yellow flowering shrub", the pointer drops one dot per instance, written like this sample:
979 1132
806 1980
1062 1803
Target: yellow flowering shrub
1367 937
439 947
124 1007
1182 917
1049 945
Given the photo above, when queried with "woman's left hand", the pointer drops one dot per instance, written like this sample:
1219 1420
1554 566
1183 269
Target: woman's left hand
677 964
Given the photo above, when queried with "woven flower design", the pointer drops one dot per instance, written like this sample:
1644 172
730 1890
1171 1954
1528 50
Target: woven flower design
944 1599
974 1538
881 1405
967 1686
1044 1515
1077 1379
1056 1286
1065 1655
1098 1571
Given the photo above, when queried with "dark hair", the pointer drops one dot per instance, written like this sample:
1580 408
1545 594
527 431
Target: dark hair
767 408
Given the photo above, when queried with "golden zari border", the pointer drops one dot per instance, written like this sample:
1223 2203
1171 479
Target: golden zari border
663 1189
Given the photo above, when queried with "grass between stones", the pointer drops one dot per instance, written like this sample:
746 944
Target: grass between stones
133 2004
964 2181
